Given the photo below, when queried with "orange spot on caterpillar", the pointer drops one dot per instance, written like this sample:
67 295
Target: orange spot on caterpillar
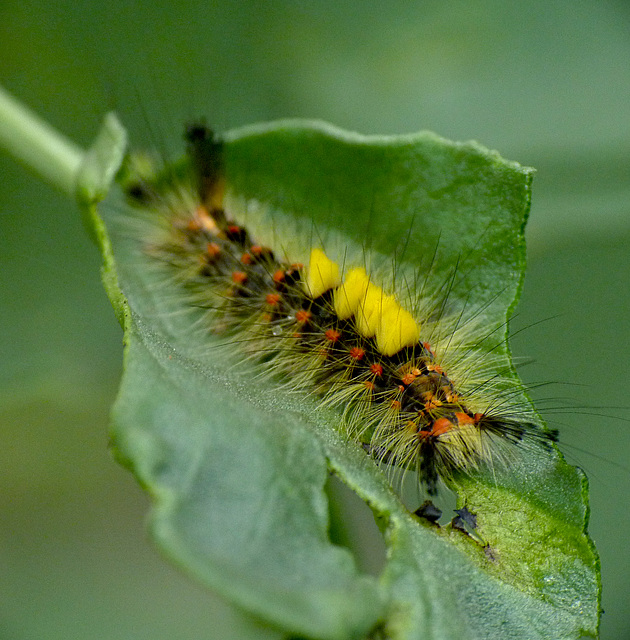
332 335
369 385
260 252
273 299
236 234
440 427
279 276
431 402
303 316
246 258
377 369
450 396
213 250
427 346
408 379
435 368
239 277
357 353
266 317
464 419
395 405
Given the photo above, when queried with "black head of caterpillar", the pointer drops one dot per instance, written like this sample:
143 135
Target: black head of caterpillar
340 337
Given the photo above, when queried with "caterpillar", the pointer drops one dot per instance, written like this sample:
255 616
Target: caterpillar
412 382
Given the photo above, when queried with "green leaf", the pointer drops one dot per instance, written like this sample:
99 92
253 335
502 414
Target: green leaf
101 162
237 467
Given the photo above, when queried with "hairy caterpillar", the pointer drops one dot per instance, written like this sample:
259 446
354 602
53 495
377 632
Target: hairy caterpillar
413 381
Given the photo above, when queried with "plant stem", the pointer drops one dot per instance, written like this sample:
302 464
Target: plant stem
38 146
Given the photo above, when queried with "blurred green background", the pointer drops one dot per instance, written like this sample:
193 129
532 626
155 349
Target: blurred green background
545 83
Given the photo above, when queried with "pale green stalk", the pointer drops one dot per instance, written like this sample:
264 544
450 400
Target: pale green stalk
38 146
